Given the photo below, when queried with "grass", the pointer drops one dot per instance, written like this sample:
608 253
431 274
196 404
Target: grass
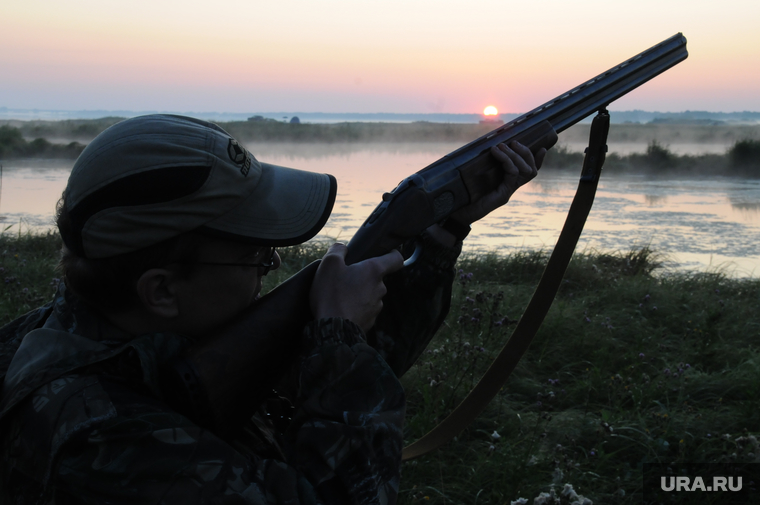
633 364
28 276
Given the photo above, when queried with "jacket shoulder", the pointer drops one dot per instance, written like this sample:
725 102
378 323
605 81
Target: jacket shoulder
37 429
14 332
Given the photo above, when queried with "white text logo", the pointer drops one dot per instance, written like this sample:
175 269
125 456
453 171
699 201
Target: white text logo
698 484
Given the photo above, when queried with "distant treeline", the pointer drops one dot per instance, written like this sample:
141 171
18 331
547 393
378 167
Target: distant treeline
13 145
269 130
265 130
83 130
743 159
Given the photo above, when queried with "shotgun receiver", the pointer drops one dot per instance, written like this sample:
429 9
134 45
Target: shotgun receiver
247 356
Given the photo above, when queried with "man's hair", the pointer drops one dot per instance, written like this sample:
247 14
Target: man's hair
111 283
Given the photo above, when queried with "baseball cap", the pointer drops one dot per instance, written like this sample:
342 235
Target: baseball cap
150 178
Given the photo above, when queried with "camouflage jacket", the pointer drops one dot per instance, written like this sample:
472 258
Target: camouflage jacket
84 418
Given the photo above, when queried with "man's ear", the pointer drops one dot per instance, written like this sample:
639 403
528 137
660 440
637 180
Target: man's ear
157 292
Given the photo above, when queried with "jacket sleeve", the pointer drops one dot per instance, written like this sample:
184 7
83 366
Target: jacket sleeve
417 302
343 445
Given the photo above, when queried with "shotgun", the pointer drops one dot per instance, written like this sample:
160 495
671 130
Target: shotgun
246 357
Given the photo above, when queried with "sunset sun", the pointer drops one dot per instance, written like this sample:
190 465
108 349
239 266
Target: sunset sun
490 111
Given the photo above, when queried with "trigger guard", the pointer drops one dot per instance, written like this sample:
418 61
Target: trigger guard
415 255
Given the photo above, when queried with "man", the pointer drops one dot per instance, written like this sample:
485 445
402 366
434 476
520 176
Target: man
168 227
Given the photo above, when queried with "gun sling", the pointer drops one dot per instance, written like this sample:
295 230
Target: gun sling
560 113
502 367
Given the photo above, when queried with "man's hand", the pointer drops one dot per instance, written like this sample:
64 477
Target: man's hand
520 166
352 292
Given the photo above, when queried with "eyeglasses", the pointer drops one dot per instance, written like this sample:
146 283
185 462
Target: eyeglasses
264 267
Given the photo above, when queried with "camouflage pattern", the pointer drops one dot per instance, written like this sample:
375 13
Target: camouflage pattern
84 418
417 302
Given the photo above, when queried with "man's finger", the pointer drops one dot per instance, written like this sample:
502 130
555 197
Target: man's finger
520 156
389 262
523 157
540 155
520 149
504 155
338 249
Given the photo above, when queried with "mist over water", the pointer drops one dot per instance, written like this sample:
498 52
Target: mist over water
681 139
700 224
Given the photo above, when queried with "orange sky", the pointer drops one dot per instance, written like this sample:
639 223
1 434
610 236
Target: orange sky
366 56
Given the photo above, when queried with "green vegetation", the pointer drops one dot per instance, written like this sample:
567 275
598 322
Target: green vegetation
277 131
83 130
271 130
633 364
28 277
667 133
13 145
742 159
744 156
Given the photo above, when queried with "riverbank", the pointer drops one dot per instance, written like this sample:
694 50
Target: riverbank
634 364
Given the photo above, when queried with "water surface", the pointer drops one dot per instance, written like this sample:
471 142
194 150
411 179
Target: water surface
699 224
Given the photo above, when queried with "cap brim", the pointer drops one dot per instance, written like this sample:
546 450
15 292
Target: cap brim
288 207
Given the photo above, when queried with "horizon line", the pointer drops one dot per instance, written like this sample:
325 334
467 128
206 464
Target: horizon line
35 109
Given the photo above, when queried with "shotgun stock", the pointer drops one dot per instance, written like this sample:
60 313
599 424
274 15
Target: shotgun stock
223 377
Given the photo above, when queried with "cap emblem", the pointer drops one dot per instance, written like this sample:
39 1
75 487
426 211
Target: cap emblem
240 156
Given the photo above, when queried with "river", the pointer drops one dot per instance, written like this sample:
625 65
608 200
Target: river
702 224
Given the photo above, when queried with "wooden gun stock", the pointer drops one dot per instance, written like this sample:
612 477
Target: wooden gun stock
221 380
